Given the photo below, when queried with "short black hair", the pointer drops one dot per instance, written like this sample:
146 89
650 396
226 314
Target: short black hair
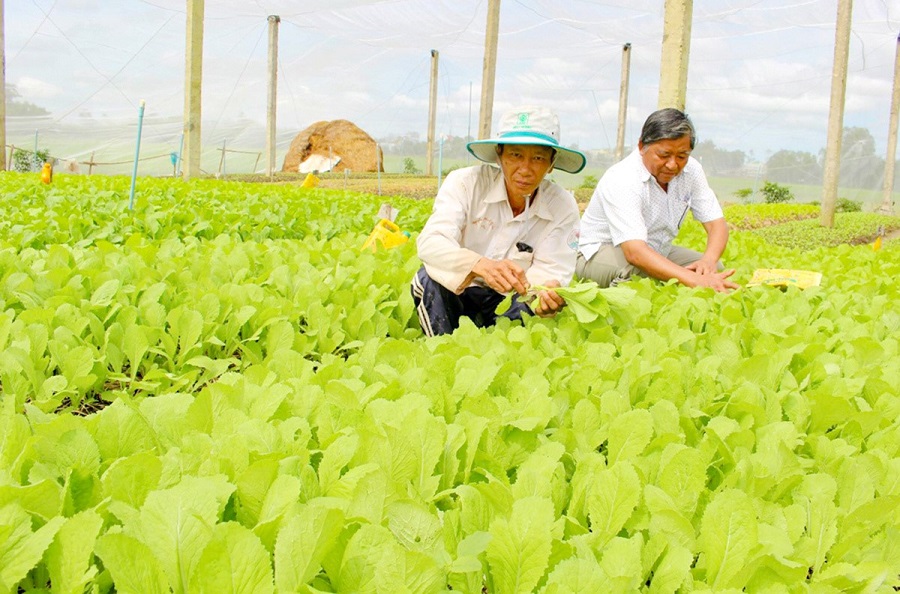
667 124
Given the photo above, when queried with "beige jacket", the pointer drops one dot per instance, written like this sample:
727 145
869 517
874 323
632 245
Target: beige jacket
472 219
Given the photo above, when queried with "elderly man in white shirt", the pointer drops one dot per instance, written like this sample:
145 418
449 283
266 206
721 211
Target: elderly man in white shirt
639 206
500 228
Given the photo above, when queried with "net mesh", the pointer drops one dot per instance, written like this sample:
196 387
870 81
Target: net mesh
758 82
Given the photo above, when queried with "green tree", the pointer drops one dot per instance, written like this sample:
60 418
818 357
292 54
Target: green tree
860 166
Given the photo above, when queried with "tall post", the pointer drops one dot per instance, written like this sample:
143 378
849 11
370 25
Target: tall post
623 100
492 33
887 204
432 114
836 113
193 78
2 92
676 50
273 95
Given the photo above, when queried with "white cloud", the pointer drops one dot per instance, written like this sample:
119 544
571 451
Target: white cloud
33 89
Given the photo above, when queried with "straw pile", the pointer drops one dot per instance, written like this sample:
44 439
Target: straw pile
338 138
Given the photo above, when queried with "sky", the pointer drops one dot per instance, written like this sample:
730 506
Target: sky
759 76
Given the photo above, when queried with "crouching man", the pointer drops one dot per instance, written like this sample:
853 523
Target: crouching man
639 206
499 228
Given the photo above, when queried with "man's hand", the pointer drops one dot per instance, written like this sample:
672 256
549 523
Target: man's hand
717 281
703 266
502 275
548 303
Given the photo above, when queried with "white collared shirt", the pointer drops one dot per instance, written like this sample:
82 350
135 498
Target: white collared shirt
629 203
472 219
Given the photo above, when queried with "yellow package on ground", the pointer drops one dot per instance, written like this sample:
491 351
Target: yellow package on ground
311 181
782 277
387 233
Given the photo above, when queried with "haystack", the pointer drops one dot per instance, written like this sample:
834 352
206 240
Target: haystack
326 142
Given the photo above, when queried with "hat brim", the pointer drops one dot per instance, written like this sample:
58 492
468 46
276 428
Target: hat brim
568 160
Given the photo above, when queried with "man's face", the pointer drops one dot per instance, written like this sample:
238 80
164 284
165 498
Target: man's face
524 167
665 159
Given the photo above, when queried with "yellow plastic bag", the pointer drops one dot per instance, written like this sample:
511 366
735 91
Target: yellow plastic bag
311 181
47 173
782 277
387 233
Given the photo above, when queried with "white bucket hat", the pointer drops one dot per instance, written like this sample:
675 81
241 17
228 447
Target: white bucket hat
529 125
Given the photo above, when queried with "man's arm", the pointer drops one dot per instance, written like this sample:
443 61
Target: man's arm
716 238
439 243
641 255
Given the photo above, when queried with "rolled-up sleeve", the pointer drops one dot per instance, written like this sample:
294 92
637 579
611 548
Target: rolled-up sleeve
439 243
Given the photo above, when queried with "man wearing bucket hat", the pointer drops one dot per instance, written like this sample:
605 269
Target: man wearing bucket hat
500 228
639 205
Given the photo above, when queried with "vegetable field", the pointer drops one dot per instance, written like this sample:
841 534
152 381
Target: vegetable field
220 392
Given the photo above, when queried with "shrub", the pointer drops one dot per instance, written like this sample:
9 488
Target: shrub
409 166
776 193
744 194
24 161
589 182
848 205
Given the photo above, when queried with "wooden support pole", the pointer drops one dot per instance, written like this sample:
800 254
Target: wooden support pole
432 114
676 50
488 74
193 77
623 101
271 107
221 161
836 113
887 202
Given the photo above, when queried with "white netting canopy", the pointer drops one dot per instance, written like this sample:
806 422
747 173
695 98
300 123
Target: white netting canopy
759 78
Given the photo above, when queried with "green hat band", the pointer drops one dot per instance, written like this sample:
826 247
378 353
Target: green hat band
517 133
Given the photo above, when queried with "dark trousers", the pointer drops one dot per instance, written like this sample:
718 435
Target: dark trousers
439 309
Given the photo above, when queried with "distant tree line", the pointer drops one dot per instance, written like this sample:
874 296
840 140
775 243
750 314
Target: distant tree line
454 147
717 161
860 166
18 107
